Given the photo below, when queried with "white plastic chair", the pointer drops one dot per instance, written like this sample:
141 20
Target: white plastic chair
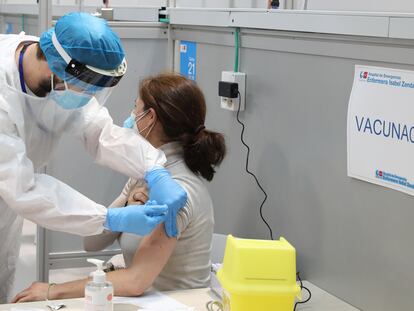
218 246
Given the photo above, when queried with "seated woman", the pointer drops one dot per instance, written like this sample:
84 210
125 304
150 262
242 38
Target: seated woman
170 114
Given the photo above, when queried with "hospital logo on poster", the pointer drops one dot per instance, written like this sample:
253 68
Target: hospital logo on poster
394 178
385 79
363 75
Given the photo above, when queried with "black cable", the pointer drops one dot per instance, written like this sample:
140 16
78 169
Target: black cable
305 288
249 172
265 198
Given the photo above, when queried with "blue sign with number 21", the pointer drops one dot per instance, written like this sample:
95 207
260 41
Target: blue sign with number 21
188 59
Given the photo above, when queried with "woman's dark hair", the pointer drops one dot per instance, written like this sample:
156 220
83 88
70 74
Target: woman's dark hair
181 110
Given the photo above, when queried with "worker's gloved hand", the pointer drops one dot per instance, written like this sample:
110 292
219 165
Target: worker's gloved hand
165 190
136 219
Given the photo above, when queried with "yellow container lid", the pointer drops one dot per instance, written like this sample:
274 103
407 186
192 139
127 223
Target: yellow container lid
259 267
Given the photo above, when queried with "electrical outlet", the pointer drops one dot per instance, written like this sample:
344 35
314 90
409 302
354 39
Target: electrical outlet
233 103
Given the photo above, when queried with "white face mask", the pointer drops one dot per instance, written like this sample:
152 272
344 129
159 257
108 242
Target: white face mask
67 98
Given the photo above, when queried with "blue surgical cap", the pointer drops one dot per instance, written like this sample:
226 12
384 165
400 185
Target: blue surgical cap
87 39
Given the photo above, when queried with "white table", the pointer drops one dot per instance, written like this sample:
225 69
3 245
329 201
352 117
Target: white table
321 301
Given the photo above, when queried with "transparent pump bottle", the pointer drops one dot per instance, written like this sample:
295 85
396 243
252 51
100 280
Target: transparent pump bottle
98 292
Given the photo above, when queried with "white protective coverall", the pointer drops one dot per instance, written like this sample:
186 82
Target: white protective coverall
29 133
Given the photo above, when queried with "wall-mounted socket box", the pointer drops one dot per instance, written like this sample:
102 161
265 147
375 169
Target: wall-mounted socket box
233 103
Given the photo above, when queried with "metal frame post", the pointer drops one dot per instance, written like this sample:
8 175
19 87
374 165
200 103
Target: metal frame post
42 255
45 15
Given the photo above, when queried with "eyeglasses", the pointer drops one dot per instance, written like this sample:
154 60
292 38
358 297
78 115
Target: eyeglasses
59 85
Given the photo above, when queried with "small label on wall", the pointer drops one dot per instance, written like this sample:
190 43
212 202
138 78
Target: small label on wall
188 59
9 28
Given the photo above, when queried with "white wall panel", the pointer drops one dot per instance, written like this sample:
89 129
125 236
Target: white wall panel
117 3
363 5
222 3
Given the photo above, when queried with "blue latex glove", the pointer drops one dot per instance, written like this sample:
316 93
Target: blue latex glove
165 190
136 219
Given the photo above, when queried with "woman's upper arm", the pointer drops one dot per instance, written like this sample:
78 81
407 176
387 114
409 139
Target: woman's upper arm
155 250
151 256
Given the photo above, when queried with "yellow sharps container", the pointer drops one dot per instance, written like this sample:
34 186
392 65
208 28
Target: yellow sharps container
258 275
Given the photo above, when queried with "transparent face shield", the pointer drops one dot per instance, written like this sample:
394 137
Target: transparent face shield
82 81
83 87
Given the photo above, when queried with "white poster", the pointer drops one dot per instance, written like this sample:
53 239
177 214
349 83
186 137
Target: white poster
380 129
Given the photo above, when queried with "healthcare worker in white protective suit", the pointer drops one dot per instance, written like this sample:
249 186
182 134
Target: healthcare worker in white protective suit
57 84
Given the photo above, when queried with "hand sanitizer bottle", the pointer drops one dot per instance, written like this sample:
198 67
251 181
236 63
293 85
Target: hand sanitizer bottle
98 292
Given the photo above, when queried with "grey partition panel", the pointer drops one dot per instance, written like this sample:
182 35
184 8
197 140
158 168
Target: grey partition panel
74 166
17 23
352 238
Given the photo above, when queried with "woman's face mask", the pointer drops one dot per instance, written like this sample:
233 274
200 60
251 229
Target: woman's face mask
132 122
67 98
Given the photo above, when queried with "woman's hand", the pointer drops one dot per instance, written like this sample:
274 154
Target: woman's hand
138 196
37 291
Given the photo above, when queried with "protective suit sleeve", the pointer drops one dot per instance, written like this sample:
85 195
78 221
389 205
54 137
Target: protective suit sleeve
116 147
42 198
